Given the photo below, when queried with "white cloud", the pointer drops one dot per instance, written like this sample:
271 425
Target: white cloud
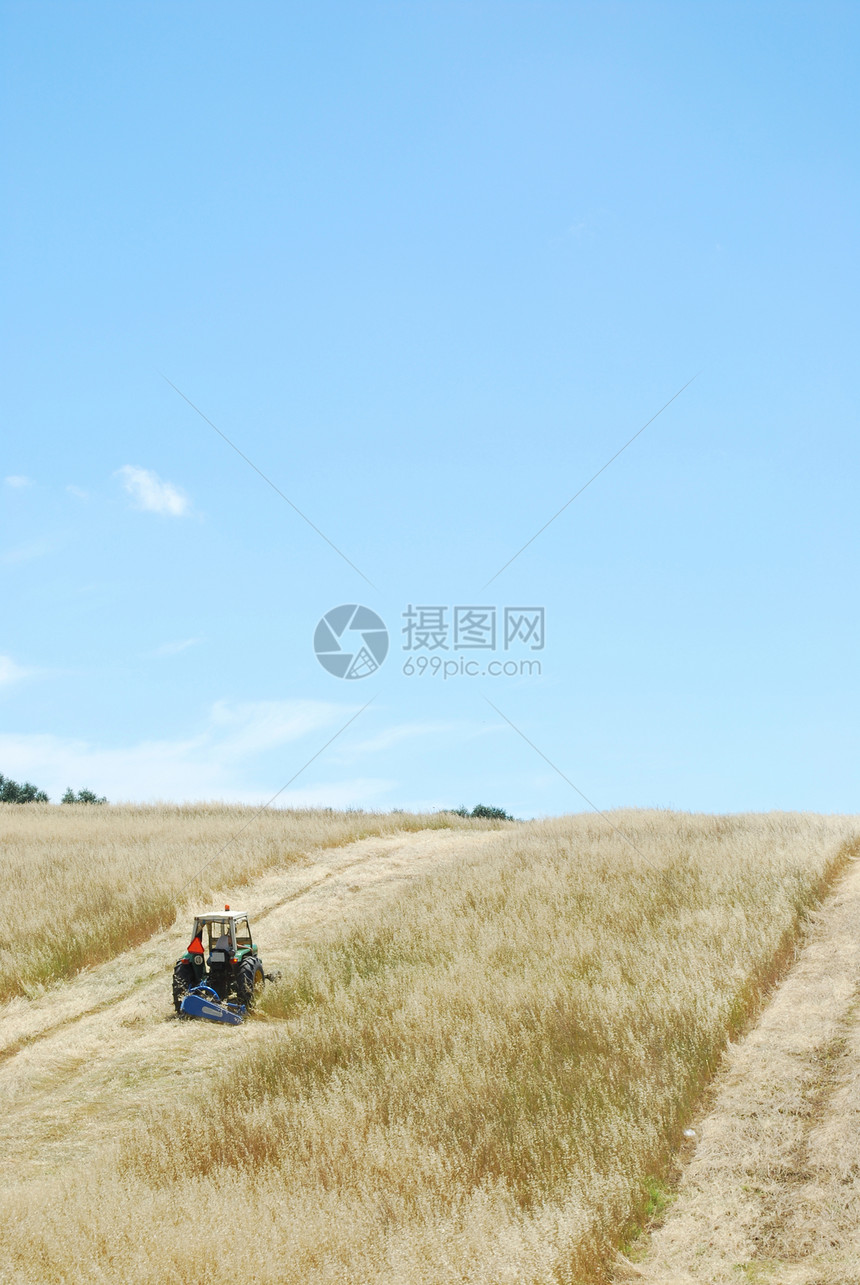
173 648
10 672
17 481
150 494
395 735
77 492
398 733
26 552
215 763
251 728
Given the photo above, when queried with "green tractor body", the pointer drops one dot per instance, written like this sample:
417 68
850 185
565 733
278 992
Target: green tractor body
222 954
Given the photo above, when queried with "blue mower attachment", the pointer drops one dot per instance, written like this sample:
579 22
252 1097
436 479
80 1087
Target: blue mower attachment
204 1001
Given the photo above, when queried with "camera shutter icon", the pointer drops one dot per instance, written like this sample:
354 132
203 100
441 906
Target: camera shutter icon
351 641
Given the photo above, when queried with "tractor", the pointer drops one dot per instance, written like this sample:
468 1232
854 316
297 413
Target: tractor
221 962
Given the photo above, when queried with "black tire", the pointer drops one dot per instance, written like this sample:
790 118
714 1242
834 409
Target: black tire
249 981
184 979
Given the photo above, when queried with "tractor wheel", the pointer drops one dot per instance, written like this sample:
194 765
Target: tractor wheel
183 980
249 981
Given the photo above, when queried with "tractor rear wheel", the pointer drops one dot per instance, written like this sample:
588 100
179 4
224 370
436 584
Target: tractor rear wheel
183 980
249 981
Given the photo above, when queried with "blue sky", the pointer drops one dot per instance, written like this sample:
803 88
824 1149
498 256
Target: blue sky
429 266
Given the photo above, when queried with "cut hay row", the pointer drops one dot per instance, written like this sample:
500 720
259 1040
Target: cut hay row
82 884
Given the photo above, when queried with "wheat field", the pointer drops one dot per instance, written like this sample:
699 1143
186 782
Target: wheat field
483 1082
83 883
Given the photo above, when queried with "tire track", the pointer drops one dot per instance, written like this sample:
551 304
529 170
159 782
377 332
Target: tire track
146 961
68 1081
772 1193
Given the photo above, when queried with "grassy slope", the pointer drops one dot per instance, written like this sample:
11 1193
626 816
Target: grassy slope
82 884
477 1086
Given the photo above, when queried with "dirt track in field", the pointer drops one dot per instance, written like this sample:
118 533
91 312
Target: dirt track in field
771 1193
76 1062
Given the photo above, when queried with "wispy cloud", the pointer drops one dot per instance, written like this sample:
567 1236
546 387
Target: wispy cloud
150 494
252 727
26 552
17 481
214 763
400 732
10 672
77 492
174 648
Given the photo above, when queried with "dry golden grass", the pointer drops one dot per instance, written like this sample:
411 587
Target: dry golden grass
474 1087
83 883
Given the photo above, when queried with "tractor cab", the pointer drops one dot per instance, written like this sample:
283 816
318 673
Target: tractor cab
222 936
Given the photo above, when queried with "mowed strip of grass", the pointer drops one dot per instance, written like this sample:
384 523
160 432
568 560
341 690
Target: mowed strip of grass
81 884
479 1086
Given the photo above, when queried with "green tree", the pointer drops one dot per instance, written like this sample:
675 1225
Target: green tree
487 813
484 812
82 796
14 792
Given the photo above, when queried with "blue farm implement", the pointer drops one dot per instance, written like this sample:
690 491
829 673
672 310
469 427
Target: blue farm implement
203 1001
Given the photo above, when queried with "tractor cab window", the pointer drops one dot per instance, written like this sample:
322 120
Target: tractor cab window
243 934
216 929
